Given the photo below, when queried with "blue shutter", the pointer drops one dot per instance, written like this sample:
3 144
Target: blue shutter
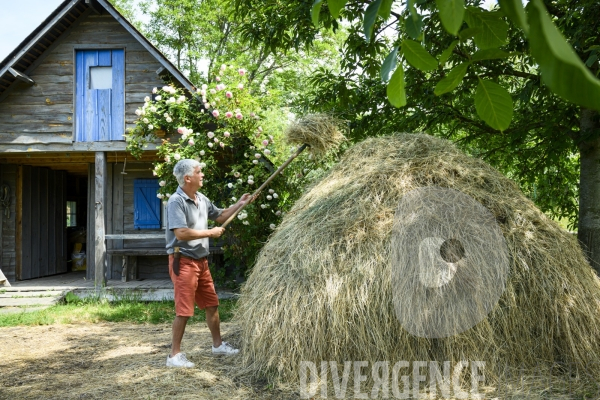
146 206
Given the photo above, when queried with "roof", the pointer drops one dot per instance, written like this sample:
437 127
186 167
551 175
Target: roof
25 57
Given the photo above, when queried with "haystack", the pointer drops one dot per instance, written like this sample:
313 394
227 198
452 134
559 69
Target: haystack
322 286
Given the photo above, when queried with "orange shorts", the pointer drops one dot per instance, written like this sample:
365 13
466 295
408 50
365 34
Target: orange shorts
194 283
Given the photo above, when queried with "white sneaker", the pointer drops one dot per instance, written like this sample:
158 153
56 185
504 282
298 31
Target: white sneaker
225 348
179 360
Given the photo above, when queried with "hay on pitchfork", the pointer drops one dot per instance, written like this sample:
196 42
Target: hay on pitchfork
321 288
320 131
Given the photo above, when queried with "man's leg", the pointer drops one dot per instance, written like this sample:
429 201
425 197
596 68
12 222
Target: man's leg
214 324
178 329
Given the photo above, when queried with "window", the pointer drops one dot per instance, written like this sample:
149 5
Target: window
146 206
101 78
71 213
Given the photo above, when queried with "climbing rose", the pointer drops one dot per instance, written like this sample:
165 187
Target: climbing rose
272 226
191 142
215 113
265 142
176 156
228 114
226 134
267 152
255 162
162 183
210 144
154 90
202 152
228 95
242 71
275 195
240 86
271 191
239 116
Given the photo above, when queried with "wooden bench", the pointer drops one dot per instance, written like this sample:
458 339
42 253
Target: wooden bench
130 265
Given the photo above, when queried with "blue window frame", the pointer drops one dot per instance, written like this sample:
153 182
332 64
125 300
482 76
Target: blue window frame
146 206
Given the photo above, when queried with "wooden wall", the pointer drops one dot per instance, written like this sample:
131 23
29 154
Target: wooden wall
122 222
44 112
8 176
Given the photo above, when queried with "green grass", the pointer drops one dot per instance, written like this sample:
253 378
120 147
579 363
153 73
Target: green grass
95 310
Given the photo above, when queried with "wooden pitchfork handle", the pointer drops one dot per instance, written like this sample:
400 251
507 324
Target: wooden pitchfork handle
257 192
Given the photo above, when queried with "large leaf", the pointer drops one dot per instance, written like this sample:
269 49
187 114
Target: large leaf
414 25
447 53
417 56
494 30
335 6
493 104
490 54
395 89
389 64
468 33
562 70
386 9
370 17
451 14
452 80
315 11
515 11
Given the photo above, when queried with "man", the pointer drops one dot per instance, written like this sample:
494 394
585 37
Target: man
187 245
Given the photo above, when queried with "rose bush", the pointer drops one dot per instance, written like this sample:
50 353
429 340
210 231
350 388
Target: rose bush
220 126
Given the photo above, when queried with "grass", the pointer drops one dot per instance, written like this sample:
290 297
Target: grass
76 310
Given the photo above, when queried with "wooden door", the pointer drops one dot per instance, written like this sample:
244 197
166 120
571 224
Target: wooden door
41 222
99 95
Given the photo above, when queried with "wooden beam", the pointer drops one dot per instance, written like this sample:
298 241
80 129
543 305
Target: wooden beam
22 77
99 232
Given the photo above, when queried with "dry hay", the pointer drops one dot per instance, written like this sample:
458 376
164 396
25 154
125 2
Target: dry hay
321 288
320 131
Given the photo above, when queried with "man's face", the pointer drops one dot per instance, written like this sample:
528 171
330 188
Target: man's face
196 178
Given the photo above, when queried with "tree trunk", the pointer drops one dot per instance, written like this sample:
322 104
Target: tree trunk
589 187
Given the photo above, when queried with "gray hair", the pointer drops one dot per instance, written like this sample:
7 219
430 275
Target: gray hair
184 168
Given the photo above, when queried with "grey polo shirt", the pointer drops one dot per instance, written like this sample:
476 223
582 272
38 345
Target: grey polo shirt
182 212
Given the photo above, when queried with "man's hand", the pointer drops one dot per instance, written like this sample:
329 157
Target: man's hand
245 199
216 232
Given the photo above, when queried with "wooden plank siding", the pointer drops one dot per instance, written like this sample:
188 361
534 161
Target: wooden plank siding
149 267
44 113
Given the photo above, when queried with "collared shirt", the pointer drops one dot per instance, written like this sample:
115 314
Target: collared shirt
183 212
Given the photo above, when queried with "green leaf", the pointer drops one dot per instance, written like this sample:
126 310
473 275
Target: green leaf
389 64
315 11
451 14
562 70
490 54
335 6
413 25
452 80
417 56
370 18
386 9
591 59
447 53
494 30
515 11
395 89
493 104
468 33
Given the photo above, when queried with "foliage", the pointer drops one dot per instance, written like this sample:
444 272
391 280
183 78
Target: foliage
220 126
538 149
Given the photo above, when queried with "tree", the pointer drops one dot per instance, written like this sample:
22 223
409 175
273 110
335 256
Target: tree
511 90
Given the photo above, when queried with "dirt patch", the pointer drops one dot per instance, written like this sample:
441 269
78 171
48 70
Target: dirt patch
117 360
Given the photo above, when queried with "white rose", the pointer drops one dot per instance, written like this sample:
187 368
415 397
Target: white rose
147 99
202 152
271 191
275 195
230 185
177 156
162 183
269 197
272 226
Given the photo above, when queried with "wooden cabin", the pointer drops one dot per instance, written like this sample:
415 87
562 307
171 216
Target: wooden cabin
68 93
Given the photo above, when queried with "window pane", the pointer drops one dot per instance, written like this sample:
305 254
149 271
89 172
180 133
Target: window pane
100 77
71 213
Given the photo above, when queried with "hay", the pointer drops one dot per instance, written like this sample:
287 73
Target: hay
322 288
320 131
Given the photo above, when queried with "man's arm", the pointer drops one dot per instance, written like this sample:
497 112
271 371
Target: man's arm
186 234
228 212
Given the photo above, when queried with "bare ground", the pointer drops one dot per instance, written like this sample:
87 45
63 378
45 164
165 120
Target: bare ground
118 361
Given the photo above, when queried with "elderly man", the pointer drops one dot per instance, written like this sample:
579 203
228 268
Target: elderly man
187 245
